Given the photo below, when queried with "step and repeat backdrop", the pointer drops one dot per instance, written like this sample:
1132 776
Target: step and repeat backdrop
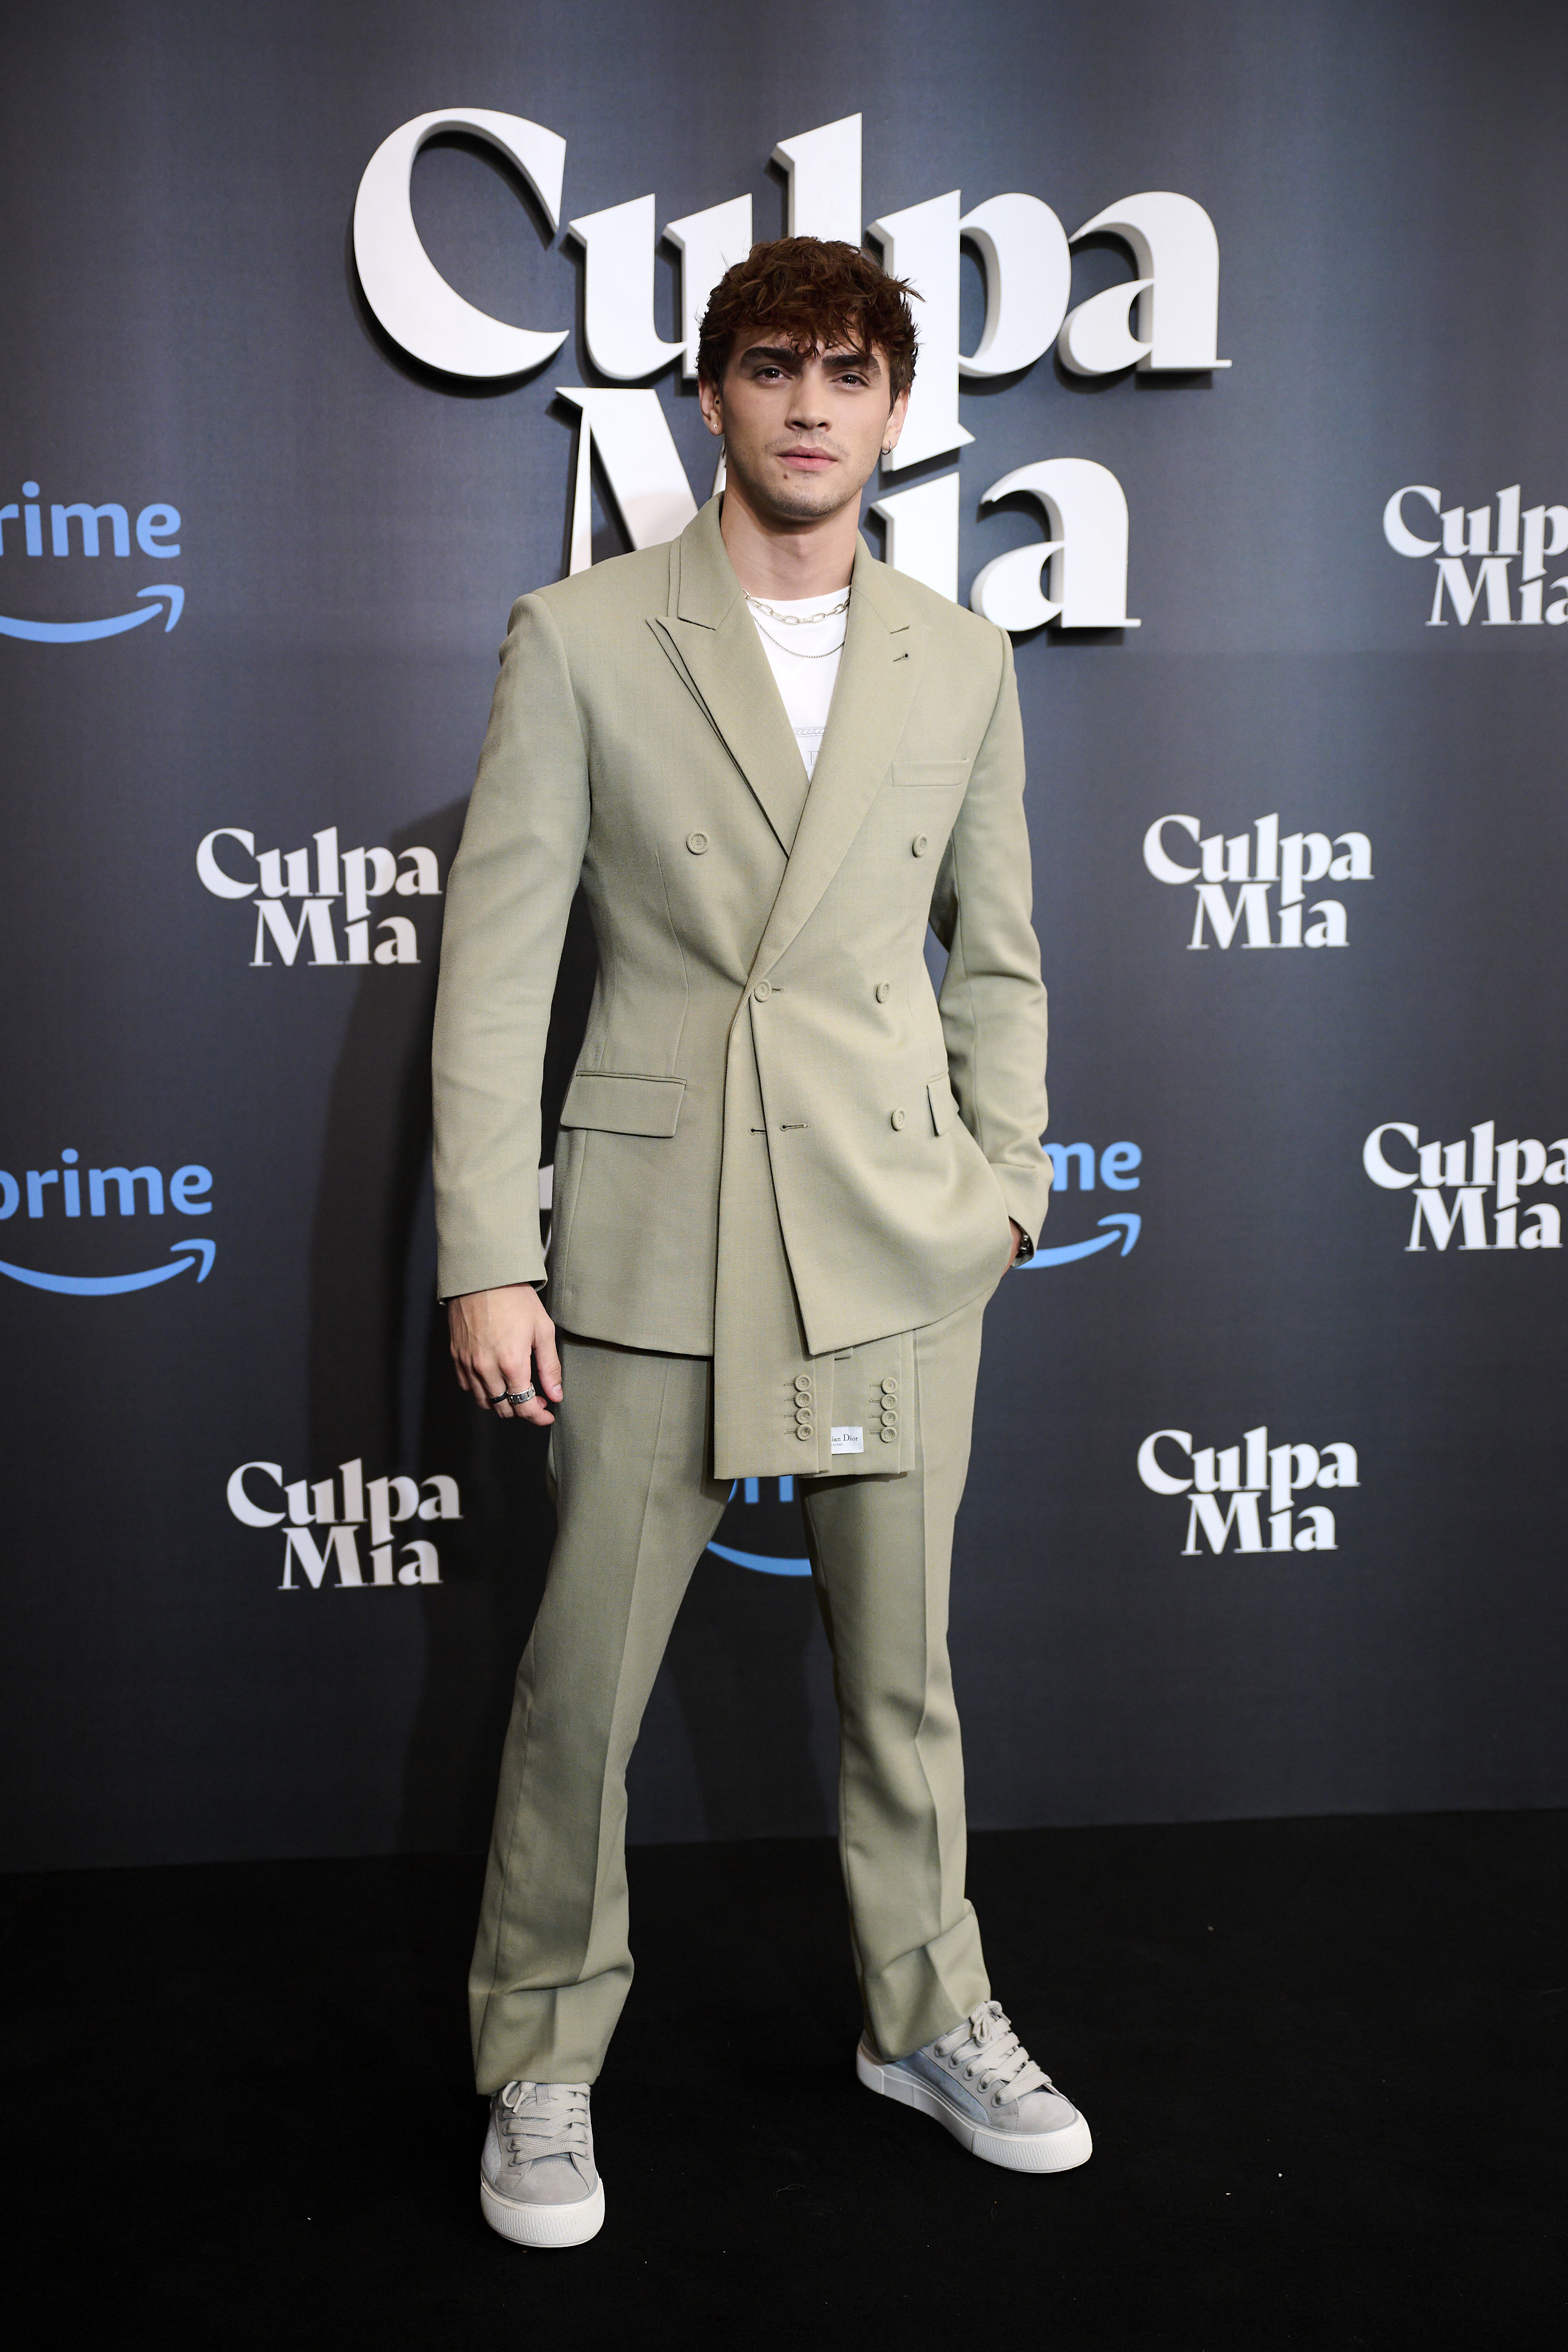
330 330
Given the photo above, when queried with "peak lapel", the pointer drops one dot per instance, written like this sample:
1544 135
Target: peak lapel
876 682
717 652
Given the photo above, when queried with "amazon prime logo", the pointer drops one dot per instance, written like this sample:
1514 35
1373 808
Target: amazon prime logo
762 1525
322 1520
230 865
1249 1490
1258 862
82 528
1115 1165
1467 1172
69 1198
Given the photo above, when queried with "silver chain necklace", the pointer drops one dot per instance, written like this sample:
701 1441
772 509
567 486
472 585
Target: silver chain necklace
799 619
802 620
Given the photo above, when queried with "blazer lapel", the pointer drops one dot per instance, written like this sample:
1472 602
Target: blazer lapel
877 678
711 636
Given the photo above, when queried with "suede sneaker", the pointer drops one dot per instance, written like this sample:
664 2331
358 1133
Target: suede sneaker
981 2084
538 2184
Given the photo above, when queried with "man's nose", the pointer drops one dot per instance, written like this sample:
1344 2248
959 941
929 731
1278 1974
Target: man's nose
807 411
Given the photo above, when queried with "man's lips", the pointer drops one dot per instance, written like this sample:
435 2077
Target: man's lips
808 460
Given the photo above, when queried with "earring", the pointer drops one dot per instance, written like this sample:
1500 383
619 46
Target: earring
887 448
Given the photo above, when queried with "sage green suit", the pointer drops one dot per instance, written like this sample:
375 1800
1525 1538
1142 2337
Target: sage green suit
781 1164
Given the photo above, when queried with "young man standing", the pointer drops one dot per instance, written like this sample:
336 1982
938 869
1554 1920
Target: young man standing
786 1185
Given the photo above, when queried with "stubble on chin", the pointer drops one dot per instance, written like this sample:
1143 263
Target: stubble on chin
811 499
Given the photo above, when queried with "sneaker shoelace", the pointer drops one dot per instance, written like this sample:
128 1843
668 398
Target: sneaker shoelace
537 2120
991 2053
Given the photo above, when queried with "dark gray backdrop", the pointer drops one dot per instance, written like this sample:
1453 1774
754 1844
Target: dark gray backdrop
184 326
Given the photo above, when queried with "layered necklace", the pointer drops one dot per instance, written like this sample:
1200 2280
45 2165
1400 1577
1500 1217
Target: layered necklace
804 621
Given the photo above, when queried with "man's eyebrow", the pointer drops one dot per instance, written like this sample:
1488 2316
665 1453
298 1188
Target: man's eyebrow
789 356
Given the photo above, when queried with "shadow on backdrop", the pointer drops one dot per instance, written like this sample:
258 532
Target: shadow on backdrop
747 1664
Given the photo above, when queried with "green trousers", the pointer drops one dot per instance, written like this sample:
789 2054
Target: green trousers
637 1504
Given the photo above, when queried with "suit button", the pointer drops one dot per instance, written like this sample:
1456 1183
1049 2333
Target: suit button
696 843
763 991
803 1383
890 1388
803 1432
890 1436
920 845
884 990
900 1118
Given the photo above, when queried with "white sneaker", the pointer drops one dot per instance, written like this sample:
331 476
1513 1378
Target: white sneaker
538 2184
981 2084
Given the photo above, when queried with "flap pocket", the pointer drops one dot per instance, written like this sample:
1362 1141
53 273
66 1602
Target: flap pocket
929 772
944 1107
620 1105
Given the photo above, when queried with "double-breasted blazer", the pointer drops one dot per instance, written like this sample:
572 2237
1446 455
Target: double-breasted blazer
762 985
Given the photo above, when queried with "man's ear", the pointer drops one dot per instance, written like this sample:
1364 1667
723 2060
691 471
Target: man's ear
895 426
711 402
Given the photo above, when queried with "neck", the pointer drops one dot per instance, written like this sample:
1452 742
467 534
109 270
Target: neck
795 560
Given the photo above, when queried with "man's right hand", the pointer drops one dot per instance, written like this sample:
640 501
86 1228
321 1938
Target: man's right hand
501 1341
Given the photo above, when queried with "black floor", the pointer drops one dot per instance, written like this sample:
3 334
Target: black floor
1320 2059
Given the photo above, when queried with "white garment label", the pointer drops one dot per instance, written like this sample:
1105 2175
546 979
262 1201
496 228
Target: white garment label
848 1441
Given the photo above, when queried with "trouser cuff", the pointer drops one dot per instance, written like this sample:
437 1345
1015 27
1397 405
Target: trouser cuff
911 1999
556 2034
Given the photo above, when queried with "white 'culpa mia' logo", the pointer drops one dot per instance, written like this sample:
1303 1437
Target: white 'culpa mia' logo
1531 538
1247 1474
378 1505
1470 1171
1163 319
1287 863
355 876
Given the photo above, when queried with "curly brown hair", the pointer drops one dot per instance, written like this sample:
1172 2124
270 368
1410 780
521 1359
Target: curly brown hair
813 293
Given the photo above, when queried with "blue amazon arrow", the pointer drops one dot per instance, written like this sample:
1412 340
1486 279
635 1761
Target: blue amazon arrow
1070 1250
764 1561
103 1286
77 633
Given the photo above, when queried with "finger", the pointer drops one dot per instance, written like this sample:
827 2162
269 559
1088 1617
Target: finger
517 1379
511 1380
549 1364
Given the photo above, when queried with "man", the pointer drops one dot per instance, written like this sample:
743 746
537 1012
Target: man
785 1187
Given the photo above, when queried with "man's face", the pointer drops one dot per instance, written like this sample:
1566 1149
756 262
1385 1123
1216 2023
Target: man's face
802 430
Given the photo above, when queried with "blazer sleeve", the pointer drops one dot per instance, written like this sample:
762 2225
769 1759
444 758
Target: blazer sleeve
992 999
508 898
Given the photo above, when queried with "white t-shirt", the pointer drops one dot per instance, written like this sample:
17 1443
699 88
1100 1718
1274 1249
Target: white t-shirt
804 655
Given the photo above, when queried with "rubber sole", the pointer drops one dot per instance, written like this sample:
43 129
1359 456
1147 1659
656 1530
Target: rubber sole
544 2225
1057 2151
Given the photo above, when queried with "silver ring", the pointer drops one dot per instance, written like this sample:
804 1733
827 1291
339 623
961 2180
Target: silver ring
519 1396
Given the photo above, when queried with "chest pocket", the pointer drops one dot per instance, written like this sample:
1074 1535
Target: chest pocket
931 774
